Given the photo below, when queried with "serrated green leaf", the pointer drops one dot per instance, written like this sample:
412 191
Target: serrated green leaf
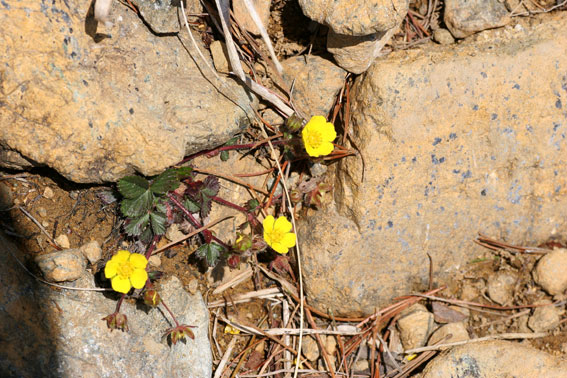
224 155
132 186
205 206
161 206
210 252
146 236
165 182
183 172
134 207
137 225
211 186
191 205
158 223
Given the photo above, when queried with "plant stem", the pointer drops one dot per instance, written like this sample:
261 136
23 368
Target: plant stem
229 204
192 219
170 313
119 303
229 148
152 246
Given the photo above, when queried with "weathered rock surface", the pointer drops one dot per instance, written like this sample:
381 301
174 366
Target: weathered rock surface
495 359
545 318
243 17
500 287
550 272
455 141
353 17
415 327
95 112
465 17
356 53
317 82
58 266
59 333
449 333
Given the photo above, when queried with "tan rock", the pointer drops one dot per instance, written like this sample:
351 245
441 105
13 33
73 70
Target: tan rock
92 251
244 18
550 272
48 192
67 265
415 328
354 17
449 333
98 109
500 287
63 241
495 359
545 318
465 17
450 149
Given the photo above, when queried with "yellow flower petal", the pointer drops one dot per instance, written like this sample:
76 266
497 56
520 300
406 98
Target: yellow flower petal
279 248
268 223
110 270
328 132
121 285
139 278
289 240
121 256
282 225
138 260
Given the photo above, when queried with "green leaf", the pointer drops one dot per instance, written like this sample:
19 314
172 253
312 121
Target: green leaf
210 252
184 172
165 182
191 205
137 225
146 236
132 186
224 155
134 207
205 206
211 186
158 223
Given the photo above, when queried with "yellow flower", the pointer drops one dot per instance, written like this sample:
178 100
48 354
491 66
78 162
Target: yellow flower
231 330
126 270
277 234
317 136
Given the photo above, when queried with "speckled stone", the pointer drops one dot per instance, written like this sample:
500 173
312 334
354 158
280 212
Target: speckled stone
465 17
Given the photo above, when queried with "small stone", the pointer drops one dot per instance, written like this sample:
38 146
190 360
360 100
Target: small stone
67 265
550 272
500 287
42 212
415 328
48 192
92 251
45 224
361 366
310 348
457 332
330 344
193 286
6 197
544 318
173 233
74 194
219 54
154 260
243 17
443 37
63 241
465 17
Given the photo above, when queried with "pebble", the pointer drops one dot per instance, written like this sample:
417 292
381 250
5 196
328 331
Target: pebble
67 265
193 286
92 251
500 287
48 193
244 19
544 318
154 260
6 197
310 348
63 241
42 212
415 327
443 37
550 272
173 233
453 331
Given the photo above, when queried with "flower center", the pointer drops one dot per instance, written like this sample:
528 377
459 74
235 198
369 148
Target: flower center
277 236
125 269
314 139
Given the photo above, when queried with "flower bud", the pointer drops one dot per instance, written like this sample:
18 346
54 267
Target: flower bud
258 243
243 243
116 321
252 204
295 196
294 123
233 261
152 298
179 333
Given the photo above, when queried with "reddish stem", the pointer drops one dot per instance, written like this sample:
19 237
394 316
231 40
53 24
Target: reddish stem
229 204
229 148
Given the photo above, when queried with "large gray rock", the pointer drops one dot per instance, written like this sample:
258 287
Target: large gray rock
465 17
495 359
455 141
96 108
46 332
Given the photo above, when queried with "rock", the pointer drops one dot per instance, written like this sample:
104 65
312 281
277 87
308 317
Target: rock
161 16
448 314
495 359
54 333
500 287
356 53
173 233
317 82
48 192
450 150
310 348
243 16
63 241
96 112
550 272
6 197
67 265
545 318
91 251
466 17
443 37
449 333
41 212
220 56
353 17
415 328
155 260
